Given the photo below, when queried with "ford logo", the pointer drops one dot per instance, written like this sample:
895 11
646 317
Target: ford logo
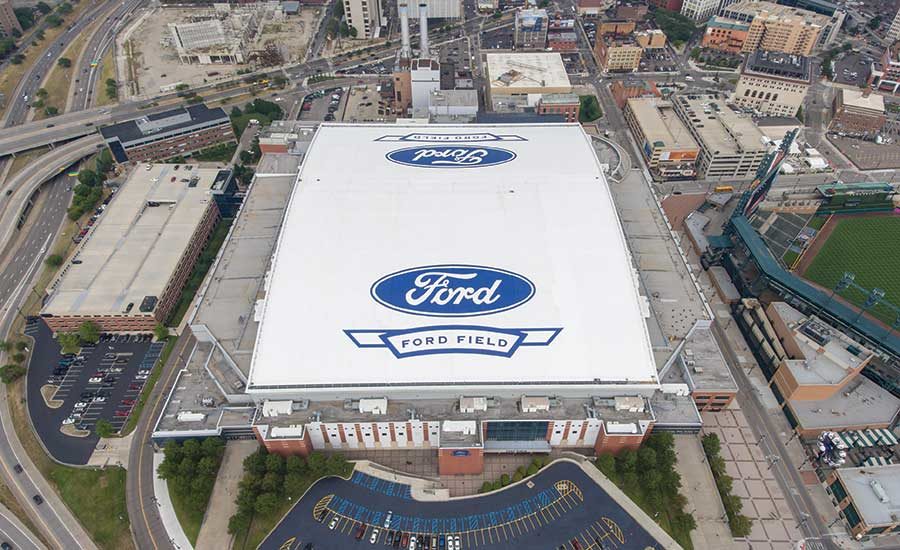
450 156
452 290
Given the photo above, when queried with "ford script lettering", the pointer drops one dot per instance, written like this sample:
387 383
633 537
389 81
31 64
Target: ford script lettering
452 290
450 156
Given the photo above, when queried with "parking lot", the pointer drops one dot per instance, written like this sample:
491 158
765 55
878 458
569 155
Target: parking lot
660 60
502 38
852 69
67 395
868 155
324 105
560 507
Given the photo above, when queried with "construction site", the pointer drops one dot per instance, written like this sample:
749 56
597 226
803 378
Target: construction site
167 44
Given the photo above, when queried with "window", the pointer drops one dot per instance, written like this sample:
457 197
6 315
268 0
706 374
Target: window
837 489
517 431
877 530
851 515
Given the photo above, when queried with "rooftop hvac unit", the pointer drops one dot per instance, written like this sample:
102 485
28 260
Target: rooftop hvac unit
698 370
188 416
629 403
472 404
879 491
535 404
374 406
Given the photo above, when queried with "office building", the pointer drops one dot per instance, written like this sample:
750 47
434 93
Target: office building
364 16
160 136
450 106
562 37
774 27
699 10
622 27
425 78
704 369
128 272
824 7
511 74
893 33
671 5
566 105
667 145
531 29
591 8
867 498
773 83
617 53
725 35
637 12
623 90
9 24
731 145
282 136
857 112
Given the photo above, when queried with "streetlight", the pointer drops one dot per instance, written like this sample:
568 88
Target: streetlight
874 298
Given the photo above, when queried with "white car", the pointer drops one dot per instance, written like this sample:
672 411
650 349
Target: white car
95 380
80 405
333 524
456 543
99 399
412 542
374 536
140 377
68 421
387 520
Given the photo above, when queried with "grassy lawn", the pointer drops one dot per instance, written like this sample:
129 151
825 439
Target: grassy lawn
97 498
204 262
217 153
59 79
661 516
789 258
816 222
189 518
866 247
10 76
9 500
107 71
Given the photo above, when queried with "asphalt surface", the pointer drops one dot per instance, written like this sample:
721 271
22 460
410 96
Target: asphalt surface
556 506
18 110
47 421
12 531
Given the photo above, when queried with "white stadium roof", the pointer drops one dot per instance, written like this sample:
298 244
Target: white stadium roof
552 301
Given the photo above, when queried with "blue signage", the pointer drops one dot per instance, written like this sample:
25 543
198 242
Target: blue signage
450 156
433 340
452 290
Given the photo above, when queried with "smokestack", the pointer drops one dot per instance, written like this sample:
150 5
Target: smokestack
406 48
423 30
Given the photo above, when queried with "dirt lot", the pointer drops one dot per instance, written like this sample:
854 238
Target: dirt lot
158 61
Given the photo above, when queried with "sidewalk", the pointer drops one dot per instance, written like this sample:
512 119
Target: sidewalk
166 512
214 530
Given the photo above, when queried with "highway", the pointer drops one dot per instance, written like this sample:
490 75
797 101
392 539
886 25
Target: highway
14 532
32 80
15 281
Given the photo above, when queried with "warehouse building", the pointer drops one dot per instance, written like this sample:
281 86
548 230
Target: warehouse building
668 147
731 145
160 136
129 270
857 112
773 83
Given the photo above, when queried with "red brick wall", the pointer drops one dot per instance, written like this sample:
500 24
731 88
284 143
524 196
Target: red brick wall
457 465
286 447
617 443
173 146
107 323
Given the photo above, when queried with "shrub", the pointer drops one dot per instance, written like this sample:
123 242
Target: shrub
18 357
54 260
486 487
517 476
532 470
9 373
504 480
496 485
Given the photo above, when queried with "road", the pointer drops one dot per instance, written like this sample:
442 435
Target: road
96 48
31 81
14 532
52 516
146 526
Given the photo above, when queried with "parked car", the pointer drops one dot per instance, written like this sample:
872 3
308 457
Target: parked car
333 523
128 401
95 380
387 519
374 536
121 413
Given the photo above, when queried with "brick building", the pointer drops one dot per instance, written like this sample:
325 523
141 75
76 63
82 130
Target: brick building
773 83
622 27
617 53
567 105
865 498
623 90
857 112
128 272
671 5
9 24
160 136
725 35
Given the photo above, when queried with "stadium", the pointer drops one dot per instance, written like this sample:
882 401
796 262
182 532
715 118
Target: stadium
453 288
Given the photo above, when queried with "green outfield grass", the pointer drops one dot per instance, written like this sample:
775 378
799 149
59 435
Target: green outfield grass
868 248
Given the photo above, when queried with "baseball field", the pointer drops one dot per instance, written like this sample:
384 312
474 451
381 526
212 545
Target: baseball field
867 246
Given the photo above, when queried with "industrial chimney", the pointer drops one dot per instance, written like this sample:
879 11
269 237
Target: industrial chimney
406 48
423 30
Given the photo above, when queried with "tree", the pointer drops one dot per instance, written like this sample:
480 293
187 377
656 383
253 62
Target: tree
239 523
266 504
486 487
64 62
236 112
25 16
17 59
11 372
5 346
69 342
295 465
44 8
161 331
646 458
740 525
497 485
104 428
54 20
89 332
50 110
294 484
6 46
589 109
18 357
606 463
53 260
711 444
504 480
874 23
517 477
626 462
532 469
65 8
104 162
41 93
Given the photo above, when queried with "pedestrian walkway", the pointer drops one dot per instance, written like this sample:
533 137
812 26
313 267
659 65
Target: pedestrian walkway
214 530
166 511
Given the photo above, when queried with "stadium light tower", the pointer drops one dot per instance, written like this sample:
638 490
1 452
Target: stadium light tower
846 280
875 296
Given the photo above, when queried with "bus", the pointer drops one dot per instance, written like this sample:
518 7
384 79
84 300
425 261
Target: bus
94 64
723 189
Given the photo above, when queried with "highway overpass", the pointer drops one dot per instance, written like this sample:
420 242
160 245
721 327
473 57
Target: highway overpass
22 185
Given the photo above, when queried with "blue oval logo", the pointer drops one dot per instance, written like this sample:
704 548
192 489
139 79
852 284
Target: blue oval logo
452 290
450 156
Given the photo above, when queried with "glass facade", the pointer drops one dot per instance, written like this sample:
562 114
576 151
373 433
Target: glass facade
851 515
517 431
837 489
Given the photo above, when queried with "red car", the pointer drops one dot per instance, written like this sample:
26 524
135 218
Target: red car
128 401
134 387
121 413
